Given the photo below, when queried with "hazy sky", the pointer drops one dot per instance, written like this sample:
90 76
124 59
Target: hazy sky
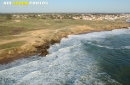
109 6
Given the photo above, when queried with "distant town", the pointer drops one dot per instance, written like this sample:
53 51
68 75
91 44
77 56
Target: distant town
56 16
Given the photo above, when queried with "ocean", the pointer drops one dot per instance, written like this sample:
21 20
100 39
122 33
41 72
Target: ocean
97 58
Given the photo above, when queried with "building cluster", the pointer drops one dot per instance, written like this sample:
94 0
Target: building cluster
75 16
102 16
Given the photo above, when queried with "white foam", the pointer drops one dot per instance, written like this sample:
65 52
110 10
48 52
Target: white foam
125 47
77 39
19 62
67 63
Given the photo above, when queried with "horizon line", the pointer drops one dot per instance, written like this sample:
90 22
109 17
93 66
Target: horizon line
65 12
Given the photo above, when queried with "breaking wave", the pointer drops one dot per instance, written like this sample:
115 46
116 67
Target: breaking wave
86 59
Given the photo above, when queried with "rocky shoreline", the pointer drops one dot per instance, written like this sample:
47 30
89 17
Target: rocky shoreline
41 49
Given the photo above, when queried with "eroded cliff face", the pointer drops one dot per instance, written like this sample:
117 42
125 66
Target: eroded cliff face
43 42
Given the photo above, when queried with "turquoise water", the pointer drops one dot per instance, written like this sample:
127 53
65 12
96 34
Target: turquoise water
98 58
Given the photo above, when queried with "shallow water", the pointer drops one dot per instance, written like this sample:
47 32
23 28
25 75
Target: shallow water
98 58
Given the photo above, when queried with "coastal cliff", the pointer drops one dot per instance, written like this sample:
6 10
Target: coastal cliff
41 44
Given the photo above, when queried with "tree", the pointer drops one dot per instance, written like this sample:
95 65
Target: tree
8 17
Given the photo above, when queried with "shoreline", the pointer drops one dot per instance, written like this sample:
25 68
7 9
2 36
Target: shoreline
42 48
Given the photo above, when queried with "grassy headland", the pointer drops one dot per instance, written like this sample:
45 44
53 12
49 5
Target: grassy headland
24 36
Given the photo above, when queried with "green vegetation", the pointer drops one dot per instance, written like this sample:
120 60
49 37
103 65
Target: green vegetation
48 23
35 32
9 37
7 30
11 45
8 17
10 25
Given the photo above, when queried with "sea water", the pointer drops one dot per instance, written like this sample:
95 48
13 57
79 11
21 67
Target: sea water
97 58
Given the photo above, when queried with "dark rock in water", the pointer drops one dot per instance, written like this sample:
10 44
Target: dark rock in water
43 53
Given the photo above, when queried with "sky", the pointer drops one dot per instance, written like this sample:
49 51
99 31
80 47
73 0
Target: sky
71 6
